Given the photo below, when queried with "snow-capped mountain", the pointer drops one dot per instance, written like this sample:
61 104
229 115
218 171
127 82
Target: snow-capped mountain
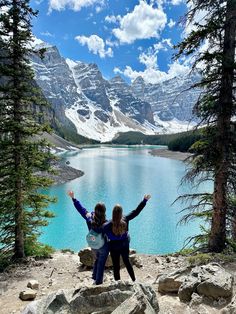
104 108
99 109
171 99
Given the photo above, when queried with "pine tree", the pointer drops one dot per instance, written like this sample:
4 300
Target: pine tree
22 153
214 154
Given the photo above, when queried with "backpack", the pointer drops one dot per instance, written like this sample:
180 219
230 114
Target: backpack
95 240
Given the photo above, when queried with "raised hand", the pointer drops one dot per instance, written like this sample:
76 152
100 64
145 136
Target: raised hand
147 196
71 194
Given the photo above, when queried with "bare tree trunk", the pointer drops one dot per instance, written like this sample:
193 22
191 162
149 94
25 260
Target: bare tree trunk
217 240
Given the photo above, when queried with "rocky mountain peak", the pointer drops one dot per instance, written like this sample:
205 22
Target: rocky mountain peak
138 80
99 109
117 80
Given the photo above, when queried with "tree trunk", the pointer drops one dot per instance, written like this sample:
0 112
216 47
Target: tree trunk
234 229
19 211
217 240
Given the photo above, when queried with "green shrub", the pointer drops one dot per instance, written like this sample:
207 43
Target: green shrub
186 251
67 251
205 258
38 249
200 259
5 260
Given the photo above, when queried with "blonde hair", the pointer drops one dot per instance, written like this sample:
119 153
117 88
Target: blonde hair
119 226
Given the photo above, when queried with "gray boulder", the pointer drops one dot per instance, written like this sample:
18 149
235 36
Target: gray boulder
33 284
28 294
137 303
87 257
209 280
217 284
118 298
187 288
170 282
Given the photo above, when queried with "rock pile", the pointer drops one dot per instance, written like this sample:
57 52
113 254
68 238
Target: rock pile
210 281
121 297
31 292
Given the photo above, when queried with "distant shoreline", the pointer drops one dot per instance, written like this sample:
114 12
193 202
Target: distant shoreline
169 154
66 173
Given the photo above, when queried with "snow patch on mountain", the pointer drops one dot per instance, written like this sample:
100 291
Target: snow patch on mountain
174 125
92 127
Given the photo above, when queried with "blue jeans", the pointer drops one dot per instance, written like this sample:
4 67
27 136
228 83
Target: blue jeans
99 265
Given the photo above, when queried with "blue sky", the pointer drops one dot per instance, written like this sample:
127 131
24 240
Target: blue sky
127 37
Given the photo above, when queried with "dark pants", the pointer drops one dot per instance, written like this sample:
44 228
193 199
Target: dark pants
117 249
99 264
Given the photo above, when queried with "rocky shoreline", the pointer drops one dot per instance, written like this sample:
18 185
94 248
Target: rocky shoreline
65 173
165 284
169 154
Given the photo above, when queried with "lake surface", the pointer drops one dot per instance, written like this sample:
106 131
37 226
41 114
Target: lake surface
123 175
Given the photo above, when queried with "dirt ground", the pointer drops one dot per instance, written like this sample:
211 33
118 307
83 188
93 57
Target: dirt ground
64 271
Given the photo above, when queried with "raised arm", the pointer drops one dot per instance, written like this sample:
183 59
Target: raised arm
141 205
83 211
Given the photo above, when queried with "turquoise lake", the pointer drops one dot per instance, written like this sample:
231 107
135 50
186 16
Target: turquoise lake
123 175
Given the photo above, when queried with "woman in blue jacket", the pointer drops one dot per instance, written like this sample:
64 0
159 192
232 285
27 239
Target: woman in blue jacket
95 221
118 237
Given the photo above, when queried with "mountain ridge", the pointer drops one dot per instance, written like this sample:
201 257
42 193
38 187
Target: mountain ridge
100 109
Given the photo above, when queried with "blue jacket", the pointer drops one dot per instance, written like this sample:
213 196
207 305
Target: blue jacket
86 215
108 226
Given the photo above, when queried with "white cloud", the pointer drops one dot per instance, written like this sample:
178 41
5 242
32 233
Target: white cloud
143 22
177 69
148 59
48 34
154 75
95 45
151 73
112 43
112 18
176 2
75 5
165 44
98 9
116 70
200 17
171 23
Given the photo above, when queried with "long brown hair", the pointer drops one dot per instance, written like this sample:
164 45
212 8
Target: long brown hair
99 215
119 226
